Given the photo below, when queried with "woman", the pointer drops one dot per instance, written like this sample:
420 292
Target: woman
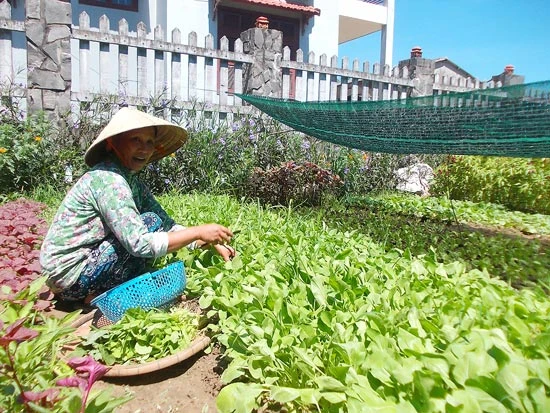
109 226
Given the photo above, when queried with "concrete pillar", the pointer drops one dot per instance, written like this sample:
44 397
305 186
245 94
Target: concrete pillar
48 31
386 46
421 71
263 77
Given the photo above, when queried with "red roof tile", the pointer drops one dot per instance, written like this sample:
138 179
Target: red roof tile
282 5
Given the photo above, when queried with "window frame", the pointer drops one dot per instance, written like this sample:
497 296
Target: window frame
108 4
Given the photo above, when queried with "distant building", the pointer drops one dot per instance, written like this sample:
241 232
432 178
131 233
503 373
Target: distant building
443 66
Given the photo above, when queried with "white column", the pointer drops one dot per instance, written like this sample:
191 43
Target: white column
386 46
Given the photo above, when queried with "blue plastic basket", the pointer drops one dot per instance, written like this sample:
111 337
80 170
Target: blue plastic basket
147 291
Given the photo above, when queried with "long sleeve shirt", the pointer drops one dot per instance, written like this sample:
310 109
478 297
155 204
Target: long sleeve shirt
106 200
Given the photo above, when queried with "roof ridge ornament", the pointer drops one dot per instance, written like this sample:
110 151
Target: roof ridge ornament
262 22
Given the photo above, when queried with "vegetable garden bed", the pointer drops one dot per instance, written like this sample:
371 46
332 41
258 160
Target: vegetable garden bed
324 311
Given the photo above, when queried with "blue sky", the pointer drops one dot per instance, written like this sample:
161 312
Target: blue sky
481 36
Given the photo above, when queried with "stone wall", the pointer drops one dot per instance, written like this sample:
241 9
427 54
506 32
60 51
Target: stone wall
263 76
508 78
421 72
48 31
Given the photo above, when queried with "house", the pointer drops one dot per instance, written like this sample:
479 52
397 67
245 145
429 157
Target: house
315 27
145 52
311 25
443 66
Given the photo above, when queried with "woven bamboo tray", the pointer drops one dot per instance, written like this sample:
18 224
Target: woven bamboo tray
83 325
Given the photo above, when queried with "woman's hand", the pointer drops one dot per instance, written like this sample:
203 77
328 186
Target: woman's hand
213 234
227 252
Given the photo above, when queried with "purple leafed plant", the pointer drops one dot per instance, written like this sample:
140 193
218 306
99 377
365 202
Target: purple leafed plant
17 333
88 371
21 234
304 183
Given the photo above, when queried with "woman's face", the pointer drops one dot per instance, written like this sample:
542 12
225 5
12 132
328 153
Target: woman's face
135 147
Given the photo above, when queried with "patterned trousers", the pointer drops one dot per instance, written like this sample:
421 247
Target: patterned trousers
110 265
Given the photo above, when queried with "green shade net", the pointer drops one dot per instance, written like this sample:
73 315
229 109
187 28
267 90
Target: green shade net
512 121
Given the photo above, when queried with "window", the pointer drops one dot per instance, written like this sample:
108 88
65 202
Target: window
130 5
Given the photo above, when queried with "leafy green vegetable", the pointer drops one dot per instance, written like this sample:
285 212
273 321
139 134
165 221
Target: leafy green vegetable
142 336
316 316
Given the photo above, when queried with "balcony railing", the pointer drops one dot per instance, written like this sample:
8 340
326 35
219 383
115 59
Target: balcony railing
380 2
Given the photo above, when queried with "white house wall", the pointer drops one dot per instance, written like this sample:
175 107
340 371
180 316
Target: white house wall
19 49
147 13
188 16
363 11
322 30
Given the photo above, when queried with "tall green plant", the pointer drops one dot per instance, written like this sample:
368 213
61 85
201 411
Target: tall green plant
520 184
25 153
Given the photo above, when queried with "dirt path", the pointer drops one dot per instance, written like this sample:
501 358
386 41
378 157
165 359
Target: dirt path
189 387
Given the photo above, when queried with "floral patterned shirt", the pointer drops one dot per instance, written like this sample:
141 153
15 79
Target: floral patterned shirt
106 200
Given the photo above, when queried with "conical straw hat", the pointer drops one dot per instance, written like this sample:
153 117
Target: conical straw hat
168 138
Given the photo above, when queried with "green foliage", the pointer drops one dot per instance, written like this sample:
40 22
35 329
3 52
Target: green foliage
445 209
31 360
37 152
482 236
24 153
141 336
316 317
220 156
225 156
517 183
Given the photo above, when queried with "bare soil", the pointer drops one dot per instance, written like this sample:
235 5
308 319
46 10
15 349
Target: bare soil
191 386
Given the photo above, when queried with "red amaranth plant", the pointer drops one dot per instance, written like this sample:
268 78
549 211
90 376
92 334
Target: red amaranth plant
88 371
21 234
302 183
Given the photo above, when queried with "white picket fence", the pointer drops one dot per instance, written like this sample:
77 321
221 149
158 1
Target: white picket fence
140 67
176 71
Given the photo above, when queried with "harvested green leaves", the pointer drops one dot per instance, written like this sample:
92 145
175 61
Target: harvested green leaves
143 336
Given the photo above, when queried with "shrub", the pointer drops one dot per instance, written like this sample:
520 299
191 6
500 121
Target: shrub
213 159
37 150
24 153
304 183
220 156
519 184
